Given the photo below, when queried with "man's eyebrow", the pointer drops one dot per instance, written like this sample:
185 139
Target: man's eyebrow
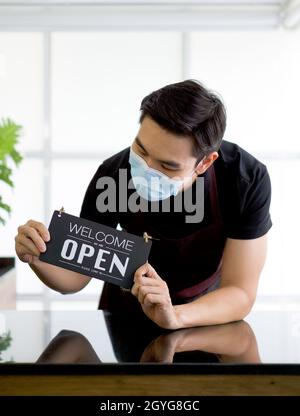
171 163
137 139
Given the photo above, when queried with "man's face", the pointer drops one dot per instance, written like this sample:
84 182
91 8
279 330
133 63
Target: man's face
167 152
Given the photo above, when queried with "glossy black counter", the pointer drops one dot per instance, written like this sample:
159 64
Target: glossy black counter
92 352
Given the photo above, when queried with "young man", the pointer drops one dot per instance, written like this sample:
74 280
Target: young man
203 268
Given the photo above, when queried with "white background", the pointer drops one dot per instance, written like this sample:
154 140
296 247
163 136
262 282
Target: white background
77 95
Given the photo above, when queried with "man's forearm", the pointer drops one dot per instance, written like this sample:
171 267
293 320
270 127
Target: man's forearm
223 305
59 279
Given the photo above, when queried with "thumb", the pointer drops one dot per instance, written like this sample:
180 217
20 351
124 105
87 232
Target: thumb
151 272
146 270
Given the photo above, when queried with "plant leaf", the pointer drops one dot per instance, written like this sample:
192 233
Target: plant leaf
5 173
9 134
9 137
4 206
16 157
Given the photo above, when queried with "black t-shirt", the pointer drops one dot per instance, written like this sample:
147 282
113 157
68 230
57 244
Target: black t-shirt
244 193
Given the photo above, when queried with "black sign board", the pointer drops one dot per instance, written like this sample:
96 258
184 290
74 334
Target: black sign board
94 249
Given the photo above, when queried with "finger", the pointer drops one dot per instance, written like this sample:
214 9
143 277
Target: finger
158 352
34 236
136 287
27 258
146 281
21 253
143 291
142 270
143 281
149 353
41 228
146 269
152 272
147 357
28 246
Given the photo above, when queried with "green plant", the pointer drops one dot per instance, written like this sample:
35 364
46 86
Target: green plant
9 134
5 341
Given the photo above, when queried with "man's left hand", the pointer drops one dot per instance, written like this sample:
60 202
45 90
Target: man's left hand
153 294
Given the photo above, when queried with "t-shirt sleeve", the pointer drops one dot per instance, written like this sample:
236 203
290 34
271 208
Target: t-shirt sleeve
89 209
254 220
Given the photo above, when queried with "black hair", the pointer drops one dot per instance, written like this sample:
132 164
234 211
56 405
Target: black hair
187 108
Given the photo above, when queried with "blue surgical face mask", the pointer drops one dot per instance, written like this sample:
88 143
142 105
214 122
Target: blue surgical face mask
151 184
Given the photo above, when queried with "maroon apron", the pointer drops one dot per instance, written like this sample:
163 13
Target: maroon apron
190 265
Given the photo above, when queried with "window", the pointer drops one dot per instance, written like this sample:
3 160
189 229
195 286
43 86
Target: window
77 96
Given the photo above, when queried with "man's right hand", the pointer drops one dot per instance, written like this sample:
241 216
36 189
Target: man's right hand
30 241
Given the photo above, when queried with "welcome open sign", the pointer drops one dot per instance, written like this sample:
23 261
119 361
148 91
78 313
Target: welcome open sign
94 249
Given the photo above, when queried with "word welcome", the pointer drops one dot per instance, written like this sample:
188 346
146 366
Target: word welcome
100 236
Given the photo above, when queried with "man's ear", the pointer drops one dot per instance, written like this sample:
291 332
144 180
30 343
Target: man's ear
206 162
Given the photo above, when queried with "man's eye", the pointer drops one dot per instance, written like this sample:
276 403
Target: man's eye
168 168
141 152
